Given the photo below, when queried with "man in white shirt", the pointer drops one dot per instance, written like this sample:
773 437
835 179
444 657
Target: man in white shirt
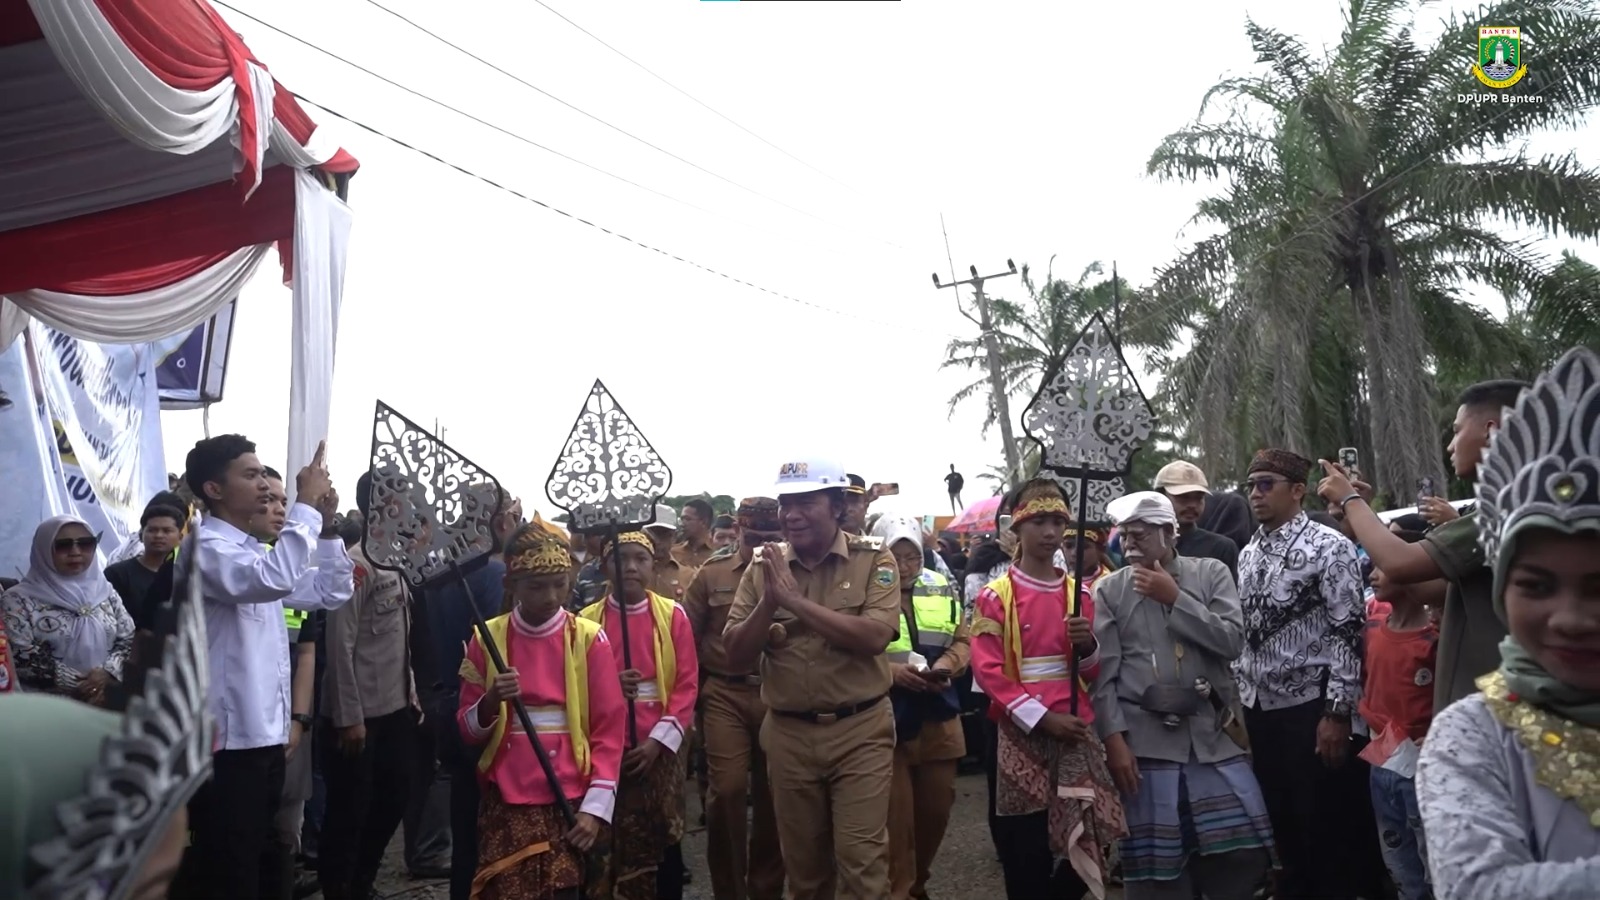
245 587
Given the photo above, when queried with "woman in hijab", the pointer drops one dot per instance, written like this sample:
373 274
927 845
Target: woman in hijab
1509 780
68 631
95 801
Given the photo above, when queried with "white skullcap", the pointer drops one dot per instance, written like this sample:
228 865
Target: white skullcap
1144 506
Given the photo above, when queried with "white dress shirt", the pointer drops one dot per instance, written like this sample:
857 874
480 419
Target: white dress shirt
245 586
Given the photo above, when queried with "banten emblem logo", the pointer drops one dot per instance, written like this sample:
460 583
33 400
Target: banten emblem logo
1499 57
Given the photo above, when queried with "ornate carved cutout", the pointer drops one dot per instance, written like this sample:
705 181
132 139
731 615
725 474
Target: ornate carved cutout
1089 418
607 472
430 505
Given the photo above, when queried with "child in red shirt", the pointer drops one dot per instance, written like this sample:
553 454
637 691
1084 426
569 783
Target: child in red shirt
1397 704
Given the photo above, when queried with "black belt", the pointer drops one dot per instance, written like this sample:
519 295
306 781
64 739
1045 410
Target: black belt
828 718
741 680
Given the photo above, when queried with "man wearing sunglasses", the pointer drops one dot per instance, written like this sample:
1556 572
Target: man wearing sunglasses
731 711
1300 676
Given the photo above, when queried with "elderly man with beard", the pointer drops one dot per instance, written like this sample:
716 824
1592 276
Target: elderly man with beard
818 611
1169 628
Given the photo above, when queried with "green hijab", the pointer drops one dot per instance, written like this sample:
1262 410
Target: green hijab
1524 676
51 746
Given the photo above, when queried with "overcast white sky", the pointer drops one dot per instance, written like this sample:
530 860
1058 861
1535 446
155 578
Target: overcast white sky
1026 124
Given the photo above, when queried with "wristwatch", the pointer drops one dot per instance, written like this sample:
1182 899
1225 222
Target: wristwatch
1336 709
303 719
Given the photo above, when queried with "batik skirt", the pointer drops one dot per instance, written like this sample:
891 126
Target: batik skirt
1183 809
1035 773
648 820
521 855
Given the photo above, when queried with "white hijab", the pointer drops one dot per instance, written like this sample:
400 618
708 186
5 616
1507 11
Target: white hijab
85 643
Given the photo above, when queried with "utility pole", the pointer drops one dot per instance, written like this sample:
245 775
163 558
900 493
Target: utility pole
997 383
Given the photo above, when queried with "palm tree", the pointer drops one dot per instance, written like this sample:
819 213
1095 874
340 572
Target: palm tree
1360 198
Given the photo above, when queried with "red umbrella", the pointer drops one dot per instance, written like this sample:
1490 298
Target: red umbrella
977 518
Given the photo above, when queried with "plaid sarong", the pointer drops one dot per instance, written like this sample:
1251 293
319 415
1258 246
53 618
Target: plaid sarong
1183 809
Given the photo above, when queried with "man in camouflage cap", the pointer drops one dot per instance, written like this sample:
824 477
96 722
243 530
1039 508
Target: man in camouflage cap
731 711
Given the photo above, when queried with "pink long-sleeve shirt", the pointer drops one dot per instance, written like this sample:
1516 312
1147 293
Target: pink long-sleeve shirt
1045 685
539 654
665 719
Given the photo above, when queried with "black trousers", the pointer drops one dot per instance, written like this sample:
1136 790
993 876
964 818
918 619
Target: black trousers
234 852
1321 818
1023 842
427 819
464 798
367 796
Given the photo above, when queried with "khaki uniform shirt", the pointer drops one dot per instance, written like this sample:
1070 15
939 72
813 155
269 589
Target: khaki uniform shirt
708 600
692 557
671 579
803 672
368 644
1470 631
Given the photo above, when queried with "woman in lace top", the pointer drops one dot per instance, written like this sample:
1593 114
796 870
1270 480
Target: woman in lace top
69 633
1509 780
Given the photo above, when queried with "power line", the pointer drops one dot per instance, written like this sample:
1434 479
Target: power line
618 129
617 234
464 114
558 14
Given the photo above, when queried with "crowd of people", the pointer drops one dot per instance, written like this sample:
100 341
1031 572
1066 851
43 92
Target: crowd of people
1269 692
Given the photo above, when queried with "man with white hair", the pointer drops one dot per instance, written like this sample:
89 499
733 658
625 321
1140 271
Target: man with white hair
1169 628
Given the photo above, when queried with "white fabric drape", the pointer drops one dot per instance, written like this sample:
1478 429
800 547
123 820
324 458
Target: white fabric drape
321 239
135 318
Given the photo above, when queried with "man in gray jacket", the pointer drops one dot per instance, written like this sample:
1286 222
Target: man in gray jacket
1169 628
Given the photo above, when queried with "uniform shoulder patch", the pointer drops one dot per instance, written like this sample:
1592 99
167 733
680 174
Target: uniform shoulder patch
884 576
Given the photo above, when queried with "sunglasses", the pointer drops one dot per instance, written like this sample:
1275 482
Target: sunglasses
83 543
1264 485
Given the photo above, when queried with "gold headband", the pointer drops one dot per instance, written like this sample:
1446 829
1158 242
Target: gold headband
1040 506
1092 535
547 558
632 537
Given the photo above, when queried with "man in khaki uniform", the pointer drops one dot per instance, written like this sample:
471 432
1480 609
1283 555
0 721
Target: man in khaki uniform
731 713
697 545
671 576
818 612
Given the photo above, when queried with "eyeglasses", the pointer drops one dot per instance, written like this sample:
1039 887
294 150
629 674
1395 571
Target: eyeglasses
83 543
1264 485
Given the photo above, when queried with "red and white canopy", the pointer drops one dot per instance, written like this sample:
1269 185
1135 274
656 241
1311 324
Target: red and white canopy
147 163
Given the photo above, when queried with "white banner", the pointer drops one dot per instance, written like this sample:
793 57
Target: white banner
31 488
103 408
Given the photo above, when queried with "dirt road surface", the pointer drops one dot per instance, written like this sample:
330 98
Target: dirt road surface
966 868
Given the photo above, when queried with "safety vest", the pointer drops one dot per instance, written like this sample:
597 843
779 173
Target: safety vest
294 618
936 613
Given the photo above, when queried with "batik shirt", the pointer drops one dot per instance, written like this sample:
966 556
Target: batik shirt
1301 592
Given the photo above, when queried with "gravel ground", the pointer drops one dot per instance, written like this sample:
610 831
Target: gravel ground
965 869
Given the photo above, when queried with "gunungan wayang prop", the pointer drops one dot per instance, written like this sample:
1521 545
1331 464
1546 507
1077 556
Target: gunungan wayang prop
430 519
147 770
1088 418
608 479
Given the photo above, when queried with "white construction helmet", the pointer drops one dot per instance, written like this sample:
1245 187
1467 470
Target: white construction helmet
810 474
